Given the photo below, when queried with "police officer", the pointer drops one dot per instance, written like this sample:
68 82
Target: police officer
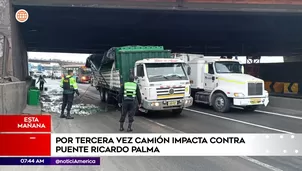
129 96
69 85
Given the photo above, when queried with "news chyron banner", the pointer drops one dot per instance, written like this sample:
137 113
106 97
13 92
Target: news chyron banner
29 141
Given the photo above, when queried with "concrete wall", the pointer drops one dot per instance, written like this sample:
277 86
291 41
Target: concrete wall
286 103
5 29
13 97
293 58
17 58
19 52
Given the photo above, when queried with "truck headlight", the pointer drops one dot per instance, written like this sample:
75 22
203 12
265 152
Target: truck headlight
238 94
187 101
154 104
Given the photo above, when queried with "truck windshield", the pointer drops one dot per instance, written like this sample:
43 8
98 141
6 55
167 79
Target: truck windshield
228 67
165 71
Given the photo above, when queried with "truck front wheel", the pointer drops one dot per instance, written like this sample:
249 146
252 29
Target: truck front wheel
176 112
138 112
221 102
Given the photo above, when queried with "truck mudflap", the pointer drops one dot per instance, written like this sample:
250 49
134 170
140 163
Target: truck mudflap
167 104
251 101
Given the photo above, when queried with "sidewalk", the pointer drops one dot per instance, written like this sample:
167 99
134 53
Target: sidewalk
285 103
32 110
280 110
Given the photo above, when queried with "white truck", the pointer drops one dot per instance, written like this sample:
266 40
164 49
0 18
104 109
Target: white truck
162 80
221 83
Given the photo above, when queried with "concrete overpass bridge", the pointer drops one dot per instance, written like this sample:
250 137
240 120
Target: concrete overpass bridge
226 27
60 62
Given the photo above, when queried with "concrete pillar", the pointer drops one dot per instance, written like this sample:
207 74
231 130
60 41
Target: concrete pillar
16 63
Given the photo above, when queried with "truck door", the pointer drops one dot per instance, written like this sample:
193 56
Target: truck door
209 81
139 75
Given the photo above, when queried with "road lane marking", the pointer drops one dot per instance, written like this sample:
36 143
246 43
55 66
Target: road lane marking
260 163
239 121
257 162
273 113
164 126
278 114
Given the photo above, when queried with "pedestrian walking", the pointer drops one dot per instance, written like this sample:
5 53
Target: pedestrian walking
42 81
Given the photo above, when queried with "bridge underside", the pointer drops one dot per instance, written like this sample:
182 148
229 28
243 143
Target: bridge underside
94 30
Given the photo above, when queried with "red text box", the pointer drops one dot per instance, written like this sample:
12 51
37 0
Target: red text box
25 123
25 144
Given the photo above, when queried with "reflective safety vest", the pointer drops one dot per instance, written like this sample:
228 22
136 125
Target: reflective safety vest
66 83
130 89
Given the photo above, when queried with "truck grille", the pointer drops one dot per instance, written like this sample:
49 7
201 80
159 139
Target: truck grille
170 93
255 89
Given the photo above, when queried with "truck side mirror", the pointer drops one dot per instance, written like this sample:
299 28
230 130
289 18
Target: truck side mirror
242 69
206 68
189 70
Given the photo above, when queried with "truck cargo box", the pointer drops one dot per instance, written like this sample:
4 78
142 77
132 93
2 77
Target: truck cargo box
125 58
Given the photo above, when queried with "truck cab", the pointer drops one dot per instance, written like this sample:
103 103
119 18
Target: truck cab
164 84
221 83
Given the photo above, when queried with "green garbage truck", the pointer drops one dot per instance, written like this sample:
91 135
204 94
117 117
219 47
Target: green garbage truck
162 80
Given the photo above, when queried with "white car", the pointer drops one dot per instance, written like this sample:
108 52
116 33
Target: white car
46 74
38 73
57 75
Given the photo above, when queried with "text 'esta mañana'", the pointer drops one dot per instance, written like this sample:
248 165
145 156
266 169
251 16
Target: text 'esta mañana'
148 140
31 122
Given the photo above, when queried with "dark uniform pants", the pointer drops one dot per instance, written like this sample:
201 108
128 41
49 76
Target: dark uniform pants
128 107
41 86
67 101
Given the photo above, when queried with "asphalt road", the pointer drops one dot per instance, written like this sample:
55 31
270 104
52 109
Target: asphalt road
196 119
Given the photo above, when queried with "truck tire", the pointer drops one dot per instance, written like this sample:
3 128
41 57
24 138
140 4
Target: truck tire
108 97
138 112
250 108
193 96
176 112
221 103
102 95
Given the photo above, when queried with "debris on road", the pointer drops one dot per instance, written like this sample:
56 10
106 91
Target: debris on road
52 102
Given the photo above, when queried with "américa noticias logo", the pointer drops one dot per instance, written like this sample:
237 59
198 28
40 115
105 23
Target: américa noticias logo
22 15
